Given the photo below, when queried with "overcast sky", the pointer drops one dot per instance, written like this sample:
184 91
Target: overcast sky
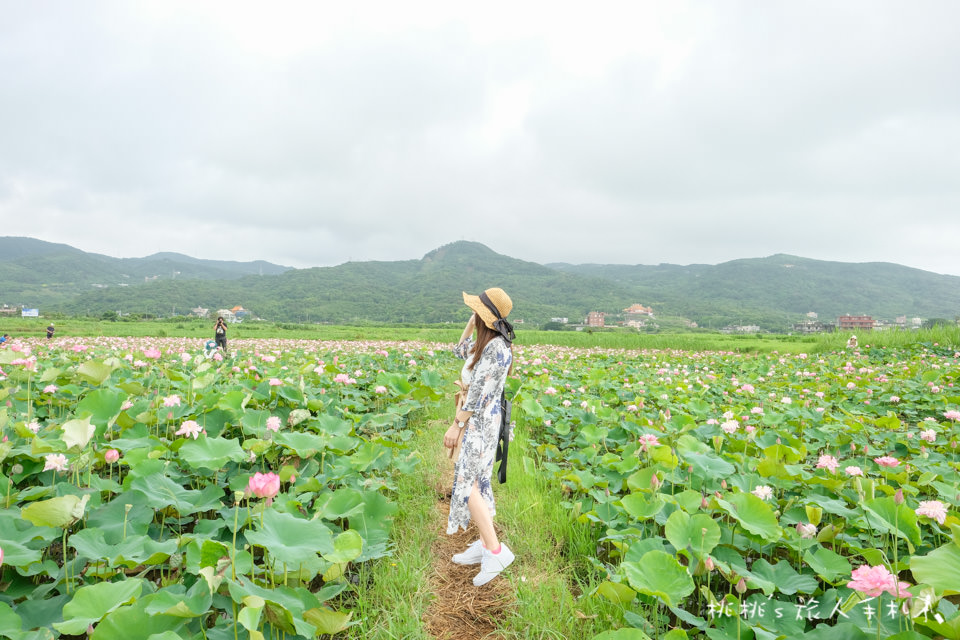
312 133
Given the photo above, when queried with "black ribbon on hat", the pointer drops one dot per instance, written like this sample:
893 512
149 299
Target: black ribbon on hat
501 326
505 329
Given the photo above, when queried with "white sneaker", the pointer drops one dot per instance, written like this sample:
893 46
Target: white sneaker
492 564
473 554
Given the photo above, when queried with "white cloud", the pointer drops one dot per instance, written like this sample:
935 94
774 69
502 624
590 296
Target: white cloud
641 132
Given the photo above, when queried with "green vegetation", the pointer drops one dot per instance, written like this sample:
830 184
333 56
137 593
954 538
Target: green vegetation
772 293
447 333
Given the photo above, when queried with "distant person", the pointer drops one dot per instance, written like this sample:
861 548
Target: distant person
220 333
852 342
4 338
50 331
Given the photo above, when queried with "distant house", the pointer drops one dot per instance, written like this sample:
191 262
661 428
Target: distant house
559 320
227 315
8 311
637 310
199 312
812 315
595 319
239 313
855 323
812 326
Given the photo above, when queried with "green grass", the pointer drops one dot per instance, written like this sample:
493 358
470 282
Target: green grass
553 580
611 339
393 594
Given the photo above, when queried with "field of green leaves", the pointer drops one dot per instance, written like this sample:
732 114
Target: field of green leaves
151 490
771 496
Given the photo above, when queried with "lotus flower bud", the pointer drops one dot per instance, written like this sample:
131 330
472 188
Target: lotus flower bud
898 496
741 586
709 564
703 503
723 484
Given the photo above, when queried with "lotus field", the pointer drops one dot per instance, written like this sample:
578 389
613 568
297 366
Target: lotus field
152 492
761 496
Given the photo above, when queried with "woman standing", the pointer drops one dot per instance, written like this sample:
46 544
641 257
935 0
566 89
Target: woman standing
220 333
477 428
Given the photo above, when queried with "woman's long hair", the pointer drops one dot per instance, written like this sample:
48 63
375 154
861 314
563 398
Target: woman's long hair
484 336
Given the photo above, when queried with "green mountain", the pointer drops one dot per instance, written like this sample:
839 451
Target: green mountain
771 292
38 273
421 291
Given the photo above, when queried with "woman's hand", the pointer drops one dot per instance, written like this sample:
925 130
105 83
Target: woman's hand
451 437
469 329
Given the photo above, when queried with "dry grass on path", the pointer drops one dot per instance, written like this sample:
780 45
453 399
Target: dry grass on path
459 611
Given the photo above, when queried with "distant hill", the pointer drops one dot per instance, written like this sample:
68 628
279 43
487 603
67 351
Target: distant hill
771 292
779 288
38 273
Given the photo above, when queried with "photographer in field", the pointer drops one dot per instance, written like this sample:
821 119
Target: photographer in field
220 333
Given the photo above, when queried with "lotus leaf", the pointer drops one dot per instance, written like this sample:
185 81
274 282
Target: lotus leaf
753 514
211 453
623 634
92 602
658 574
940 569
130 552
94 372
698 533
289 538
56 512
829 565
77 433
784 577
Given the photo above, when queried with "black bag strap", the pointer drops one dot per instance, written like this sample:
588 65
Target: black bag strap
503 443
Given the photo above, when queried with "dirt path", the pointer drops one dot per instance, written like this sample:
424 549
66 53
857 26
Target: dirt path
460 611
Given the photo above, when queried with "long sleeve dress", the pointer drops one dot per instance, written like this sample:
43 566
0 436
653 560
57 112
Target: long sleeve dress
479 445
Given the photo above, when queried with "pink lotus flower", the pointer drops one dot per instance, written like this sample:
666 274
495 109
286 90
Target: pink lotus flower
171 401
933 509
929 435
953 414
887 461
806 531
380 389
550 391
566 403
894 399
273 423
730 426
55 462
275 382
111 455
828 462
763 492
153 354
264 485
648 440
854 471
189 428
342 377
873 581
34 426
50 388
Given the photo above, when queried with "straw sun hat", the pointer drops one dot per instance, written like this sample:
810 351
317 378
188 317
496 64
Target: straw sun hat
498 297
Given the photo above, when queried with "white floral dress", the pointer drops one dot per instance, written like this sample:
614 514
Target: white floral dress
479 445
